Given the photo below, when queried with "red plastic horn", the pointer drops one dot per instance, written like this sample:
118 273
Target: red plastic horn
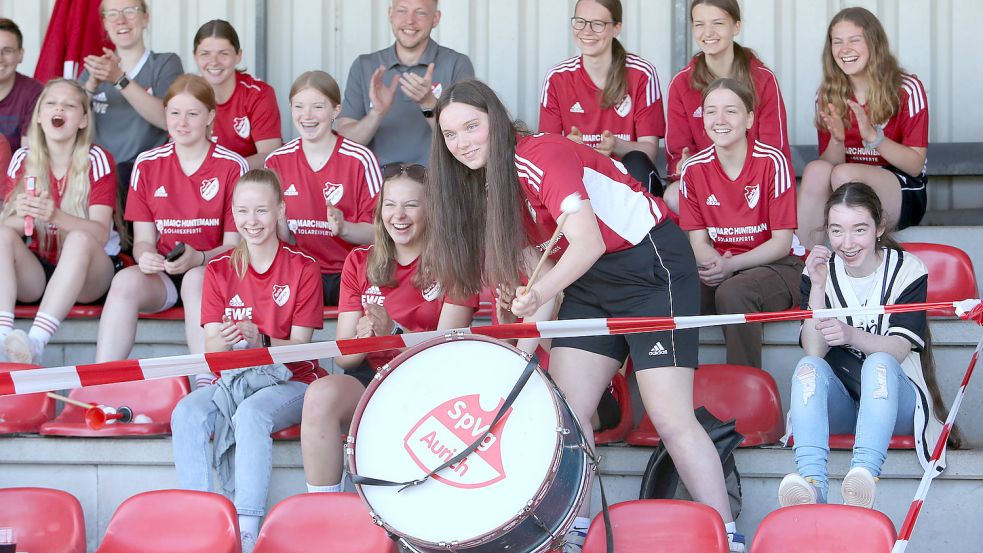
96 418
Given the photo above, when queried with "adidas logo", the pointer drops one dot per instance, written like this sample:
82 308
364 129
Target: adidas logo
577 108
699 112
236 301
712 200
657 349
292 191
160 192
373 291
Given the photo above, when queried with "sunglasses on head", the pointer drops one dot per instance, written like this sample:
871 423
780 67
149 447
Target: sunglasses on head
414 171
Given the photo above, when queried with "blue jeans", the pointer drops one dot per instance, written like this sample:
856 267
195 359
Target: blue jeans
268 410
820 406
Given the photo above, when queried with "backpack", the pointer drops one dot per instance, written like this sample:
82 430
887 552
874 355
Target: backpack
661 480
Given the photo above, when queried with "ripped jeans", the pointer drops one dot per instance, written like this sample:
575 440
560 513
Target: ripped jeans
820 405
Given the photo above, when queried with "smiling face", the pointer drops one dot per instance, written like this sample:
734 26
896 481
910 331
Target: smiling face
403 212
10 56
187 119
849 47
255 210
312 114
592 43
217 60
124 21
412 21
726 119
61 113
466 134
713 29
853 235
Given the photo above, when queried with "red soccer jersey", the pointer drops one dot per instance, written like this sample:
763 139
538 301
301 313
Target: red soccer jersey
571 99
414 309
908 126
250 115
195 209
288 294
351 180
739 214
102 191
551 168
685 115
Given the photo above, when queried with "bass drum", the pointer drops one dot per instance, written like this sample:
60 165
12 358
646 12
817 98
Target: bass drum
520 490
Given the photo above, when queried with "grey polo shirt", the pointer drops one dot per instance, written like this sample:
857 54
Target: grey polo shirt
404 134
119 128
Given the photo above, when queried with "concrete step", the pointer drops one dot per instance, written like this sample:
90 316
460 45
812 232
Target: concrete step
102 473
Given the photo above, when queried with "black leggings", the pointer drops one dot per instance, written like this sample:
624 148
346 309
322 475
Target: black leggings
642 169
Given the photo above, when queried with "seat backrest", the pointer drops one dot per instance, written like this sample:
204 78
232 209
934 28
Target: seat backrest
646 525
24 412
46 520
166 521
746 394
824 529
950 272
154 398
333 521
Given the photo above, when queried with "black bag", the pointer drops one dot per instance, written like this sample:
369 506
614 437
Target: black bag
661 480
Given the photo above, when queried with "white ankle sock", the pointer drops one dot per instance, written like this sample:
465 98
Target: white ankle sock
249 524
311 488
43 328
6 323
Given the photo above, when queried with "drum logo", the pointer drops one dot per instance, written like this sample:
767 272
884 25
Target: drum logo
447 430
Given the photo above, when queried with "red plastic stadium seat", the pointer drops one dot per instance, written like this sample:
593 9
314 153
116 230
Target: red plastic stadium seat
154 398
23 413
45 520
619 387
288 433
824 529
76 312
167 521
845 441
333 521
950 273
746 394
656 525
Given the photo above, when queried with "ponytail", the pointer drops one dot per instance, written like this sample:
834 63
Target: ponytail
617 84
701 77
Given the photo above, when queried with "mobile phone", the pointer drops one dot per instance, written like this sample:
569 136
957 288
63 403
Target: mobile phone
177 252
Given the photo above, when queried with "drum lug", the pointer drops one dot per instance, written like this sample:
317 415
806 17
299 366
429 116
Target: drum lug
455 335
562 430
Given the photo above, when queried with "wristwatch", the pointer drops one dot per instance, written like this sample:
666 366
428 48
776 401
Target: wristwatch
428 112
122 83
876 142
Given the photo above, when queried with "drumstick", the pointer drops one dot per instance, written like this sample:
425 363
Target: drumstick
570 204
71 401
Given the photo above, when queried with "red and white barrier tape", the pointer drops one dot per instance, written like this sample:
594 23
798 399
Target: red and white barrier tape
916 504
67 377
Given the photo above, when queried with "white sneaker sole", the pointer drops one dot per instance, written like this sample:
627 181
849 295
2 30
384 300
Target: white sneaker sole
859 488
796 490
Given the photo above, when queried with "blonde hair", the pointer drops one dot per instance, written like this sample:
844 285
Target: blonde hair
883 72
75 199
240 255
143 7
321 82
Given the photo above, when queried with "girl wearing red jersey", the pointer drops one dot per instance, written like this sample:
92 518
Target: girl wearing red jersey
715 24
180 197
621 256
382 292
330 183
69 217
259 294
873 126
606 98
737 200
247 119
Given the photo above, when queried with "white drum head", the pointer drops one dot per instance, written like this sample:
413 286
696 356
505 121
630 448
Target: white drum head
433 405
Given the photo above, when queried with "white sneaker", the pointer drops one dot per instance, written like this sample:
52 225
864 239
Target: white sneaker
21 349
248 542
736 543
573 542
796 490
859 488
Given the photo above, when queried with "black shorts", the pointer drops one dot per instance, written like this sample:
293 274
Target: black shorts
49 271
655 278
364 373
331 285
914 197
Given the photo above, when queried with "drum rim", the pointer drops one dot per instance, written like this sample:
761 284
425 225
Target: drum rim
533 502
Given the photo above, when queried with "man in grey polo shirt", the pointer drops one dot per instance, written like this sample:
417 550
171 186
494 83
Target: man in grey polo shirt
391 94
